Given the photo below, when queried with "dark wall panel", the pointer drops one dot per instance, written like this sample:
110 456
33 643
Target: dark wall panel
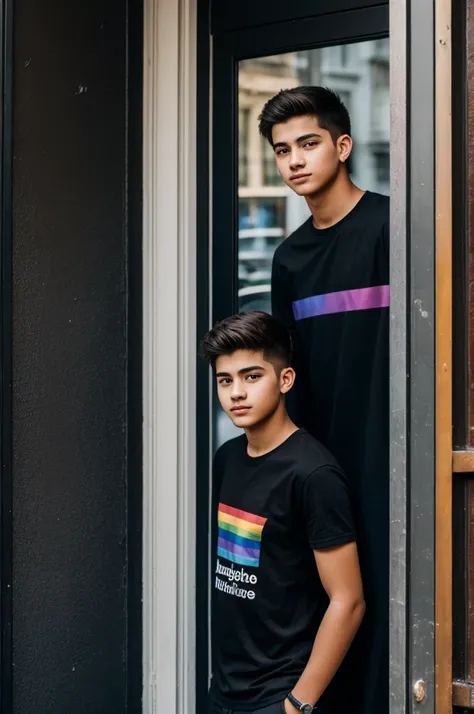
248 13
69 357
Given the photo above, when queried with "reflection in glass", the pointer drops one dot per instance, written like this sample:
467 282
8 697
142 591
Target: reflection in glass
268 210
243 143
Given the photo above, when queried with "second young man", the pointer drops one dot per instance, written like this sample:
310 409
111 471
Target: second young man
330 288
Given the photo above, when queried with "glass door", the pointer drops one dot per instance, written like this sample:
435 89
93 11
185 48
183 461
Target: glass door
252 209
267 210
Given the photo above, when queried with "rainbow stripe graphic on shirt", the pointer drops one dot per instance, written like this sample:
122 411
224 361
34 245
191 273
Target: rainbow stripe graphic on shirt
239 535
343 301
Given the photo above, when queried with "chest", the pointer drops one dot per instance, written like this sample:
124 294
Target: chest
256 511
340 264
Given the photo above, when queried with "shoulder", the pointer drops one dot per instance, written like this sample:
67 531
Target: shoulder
286 246
312 458
379 200
379 207
377 215
230 450
327 480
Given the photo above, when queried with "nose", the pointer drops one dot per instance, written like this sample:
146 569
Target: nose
297 160
238 391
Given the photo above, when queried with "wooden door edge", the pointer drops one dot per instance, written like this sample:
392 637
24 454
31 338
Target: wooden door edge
443 421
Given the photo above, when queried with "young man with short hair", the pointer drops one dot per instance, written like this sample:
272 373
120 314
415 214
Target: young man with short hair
330 288
287 591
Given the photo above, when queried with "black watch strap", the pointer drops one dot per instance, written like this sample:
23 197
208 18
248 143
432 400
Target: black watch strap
304 708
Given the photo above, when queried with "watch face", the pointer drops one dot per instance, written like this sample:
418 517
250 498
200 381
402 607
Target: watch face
307 709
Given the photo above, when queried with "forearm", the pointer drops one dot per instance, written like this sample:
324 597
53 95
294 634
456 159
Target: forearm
336 632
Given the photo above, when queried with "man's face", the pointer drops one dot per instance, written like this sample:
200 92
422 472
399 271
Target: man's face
248 387
306 156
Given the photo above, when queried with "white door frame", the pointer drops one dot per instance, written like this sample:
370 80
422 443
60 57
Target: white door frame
169 356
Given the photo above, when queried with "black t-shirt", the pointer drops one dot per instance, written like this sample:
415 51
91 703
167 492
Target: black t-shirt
268 600
331 289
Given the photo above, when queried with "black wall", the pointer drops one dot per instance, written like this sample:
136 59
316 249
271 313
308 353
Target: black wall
75 357
247 13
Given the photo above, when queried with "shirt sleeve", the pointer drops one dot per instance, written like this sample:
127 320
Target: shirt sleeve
327 508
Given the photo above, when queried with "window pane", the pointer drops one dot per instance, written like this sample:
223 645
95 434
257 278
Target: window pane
243 142
268 210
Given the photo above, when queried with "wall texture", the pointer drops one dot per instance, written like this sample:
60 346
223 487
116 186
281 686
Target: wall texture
70 358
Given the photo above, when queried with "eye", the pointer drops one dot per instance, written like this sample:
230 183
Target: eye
225 381
310 144
281 152
253 377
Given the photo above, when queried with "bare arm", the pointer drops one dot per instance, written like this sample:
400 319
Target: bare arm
339 571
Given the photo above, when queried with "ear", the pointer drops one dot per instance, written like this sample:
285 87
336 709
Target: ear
287 379
344 147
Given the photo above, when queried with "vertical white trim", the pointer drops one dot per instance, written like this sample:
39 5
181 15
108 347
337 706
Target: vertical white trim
169 186
187 358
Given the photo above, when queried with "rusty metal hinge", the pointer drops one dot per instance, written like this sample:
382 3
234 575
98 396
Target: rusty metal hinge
463 694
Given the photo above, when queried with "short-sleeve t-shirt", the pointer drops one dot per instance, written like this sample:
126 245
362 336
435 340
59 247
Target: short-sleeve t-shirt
330 288
268 600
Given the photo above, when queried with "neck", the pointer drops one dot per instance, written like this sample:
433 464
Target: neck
269 434
331 205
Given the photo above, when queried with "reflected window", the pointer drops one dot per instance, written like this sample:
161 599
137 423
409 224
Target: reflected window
243 146
261 229
271 177
268 211
382 166
344 55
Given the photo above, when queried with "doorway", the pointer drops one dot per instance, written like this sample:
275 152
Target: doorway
250 213
252 210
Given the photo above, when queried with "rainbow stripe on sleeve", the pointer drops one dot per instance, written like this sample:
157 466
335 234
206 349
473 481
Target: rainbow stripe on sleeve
239 535
343 301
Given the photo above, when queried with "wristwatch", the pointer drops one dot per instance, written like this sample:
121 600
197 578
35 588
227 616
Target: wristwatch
305 708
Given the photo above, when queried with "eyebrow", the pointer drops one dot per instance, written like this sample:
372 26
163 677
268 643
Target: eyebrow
244 370
298 140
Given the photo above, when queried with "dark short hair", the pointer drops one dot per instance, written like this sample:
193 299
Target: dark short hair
321 102
255 330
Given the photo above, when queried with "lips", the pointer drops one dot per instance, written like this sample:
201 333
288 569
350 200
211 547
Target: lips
240 410
299 177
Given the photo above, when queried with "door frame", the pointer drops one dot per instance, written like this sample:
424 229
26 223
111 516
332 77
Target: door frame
178 95
169 356
421 356
6 435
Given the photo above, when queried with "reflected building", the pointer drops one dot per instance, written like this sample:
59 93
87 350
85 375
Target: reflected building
268 210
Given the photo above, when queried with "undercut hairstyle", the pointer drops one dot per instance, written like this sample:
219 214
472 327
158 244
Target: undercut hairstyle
255 331
321 102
